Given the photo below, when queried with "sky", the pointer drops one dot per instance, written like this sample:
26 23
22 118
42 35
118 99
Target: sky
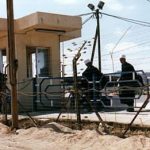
117 36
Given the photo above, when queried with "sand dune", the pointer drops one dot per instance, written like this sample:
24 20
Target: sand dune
54 136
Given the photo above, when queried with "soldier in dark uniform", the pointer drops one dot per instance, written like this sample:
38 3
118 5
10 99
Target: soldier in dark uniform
127 96
91 73
96 80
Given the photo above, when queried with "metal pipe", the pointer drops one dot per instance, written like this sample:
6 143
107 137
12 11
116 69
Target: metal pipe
144 104
99 44
94 46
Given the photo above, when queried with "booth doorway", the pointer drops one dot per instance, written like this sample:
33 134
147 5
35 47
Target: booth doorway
37 62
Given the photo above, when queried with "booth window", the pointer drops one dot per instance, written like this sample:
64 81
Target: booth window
37 62
3 61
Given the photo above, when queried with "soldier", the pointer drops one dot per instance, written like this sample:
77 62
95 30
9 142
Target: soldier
96 80
91 73
127 95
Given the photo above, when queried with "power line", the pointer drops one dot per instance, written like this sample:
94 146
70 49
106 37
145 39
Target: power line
120 39
137 45
87 19
111 53
135 34
138 22
142 23
81 15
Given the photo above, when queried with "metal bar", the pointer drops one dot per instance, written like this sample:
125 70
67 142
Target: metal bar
144 104
34 122
76 95
98 115
99 44
34 94
77 101
94 46
69 99
12 63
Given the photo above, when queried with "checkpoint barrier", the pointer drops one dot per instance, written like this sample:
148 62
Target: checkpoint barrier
55 91
93 91
134 86
52 91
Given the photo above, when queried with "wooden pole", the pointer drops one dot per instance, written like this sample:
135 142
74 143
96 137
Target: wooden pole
76 91
12 63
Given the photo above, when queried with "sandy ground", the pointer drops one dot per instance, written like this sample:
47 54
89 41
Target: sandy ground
54 136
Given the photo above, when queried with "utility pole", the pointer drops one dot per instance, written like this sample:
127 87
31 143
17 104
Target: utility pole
97 34
12 63
99 43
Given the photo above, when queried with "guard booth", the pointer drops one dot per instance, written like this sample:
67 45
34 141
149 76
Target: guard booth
37 44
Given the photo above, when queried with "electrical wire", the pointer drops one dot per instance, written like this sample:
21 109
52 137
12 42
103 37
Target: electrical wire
142 23
138 22
87 19
134 46
81 15
111 53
